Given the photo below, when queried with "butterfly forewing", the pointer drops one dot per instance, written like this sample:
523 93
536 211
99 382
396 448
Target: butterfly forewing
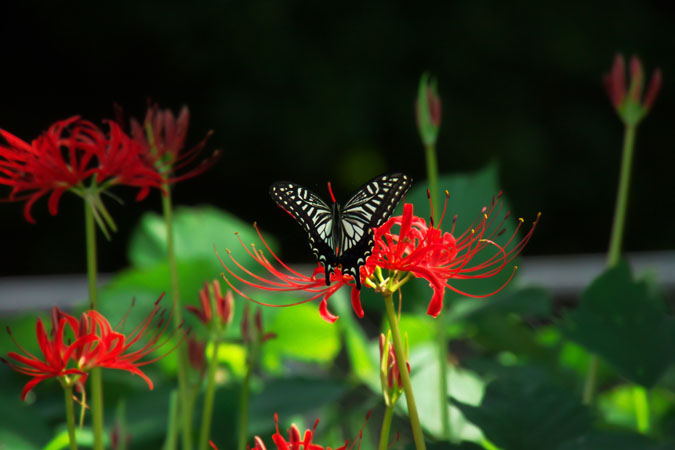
312 213
369 208
343 236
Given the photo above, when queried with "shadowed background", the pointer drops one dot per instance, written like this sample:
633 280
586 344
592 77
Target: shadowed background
313 93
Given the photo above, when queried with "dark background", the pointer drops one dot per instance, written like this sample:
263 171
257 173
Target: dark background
315 92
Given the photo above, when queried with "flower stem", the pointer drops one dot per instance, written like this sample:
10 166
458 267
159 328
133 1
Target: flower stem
96 382
172 426
621 197
616 237
418 436
442 344
441 338
243 408
185 398
70 416
386 427
208 398
432 176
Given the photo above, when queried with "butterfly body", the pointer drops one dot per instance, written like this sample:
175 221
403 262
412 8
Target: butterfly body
341 236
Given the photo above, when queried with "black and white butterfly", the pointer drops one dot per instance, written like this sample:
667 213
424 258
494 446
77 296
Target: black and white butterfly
342 235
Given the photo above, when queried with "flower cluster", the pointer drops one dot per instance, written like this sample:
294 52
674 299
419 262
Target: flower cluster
76 155
74 347
405 246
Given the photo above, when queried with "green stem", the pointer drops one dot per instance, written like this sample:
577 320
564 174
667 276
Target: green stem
621 197
418 435
432 175
96 382
172 426
442 343
641 402
70 416
589 382
386 427
243 408
616 238
185 399
208 398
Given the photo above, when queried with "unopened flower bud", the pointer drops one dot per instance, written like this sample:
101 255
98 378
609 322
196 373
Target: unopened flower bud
628 102
428 110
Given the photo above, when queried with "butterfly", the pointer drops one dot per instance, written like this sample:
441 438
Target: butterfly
341 236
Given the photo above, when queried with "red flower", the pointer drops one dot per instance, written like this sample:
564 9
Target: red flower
162 137
121 159
296 441
427 252
93 343
288 280
57 357
76 155
224 305
54 162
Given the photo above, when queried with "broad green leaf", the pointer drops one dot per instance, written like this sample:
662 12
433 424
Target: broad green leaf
463 385
614 441
289 396
196 231
626 323
302 335
518 413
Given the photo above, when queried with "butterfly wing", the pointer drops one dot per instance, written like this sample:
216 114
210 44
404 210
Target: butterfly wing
370 207
313 215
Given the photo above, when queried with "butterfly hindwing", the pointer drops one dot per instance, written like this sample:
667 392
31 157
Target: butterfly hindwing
343 236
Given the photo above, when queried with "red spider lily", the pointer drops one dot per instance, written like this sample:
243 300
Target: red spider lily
58 357
297 442
94 343
54 162
76 155
113 349
289 280
429 253
258 335
162 137
121 159
224 305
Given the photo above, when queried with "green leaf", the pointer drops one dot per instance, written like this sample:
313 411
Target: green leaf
463 384
448 446
289 396
196 231
301 334
21 426
614 441
626 323
521 414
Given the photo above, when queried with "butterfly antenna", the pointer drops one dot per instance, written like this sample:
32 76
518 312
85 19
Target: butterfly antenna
330 190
